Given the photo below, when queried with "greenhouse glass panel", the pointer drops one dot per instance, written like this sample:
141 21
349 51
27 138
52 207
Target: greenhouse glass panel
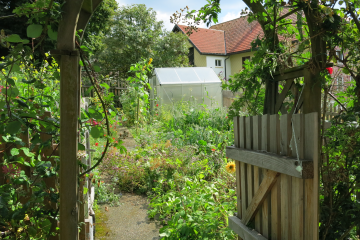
194 84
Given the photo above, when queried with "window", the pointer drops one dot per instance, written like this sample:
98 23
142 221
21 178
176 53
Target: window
244 59
191 56
340 55
340 83
217 63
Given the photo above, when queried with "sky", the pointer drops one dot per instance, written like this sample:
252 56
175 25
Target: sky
230 9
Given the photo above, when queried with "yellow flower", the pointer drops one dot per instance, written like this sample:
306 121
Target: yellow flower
20 229
150 61
230 167
26 218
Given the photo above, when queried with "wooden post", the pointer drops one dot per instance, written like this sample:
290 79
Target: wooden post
69 91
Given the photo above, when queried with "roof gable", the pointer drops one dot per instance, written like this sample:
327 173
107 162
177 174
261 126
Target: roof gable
207 41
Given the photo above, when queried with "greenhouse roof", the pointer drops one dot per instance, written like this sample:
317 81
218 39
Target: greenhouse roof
187 75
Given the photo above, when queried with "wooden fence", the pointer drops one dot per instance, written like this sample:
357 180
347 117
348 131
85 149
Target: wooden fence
277 193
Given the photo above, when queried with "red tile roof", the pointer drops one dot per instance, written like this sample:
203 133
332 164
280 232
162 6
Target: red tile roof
236 35
239 34
207 41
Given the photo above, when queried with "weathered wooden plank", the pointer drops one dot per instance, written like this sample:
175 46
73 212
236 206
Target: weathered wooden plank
242 132
250 182
265 214
271 161
236 132
285 135
280 99
312 185
256 132
276 210
238 188
297 206
265 133
298 139
259 197
285 207
289 75
249 132
256 188
274 133
244 187
243 231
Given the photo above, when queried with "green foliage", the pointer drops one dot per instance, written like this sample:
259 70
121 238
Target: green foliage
340 177
137 35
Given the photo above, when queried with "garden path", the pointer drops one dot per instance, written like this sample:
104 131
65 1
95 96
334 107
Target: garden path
129 221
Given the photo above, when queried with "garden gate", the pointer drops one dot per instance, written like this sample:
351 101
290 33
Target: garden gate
277 176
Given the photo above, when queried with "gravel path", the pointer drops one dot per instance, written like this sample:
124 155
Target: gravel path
129 221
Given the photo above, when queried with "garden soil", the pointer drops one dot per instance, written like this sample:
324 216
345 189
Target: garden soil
129 220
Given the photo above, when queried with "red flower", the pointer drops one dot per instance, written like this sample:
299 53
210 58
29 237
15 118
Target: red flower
113 138
116 141
213 149
157 105
156 114
104 135
96 144
330 70
226 117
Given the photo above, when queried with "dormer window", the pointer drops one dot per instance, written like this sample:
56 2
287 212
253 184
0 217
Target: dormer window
217 63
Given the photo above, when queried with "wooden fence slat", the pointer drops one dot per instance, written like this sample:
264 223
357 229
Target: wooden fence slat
311 217
238 189
256 132
236 132
265 121
285 135
249 132
274 133
275 191
297 185
243 187
256 188
242 132
298 121
250 183
260 196
286 207
265 213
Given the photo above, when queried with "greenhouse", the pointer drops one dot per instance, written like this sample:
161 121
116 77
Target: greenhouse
194 84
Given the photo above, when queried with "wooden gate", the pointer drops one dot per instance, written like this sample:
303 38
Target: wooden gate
277 177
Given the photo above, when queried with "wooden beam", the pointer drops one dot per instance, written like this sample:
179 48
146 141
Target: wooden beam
272 162
260 195
280 99
289 74
243 231
87 6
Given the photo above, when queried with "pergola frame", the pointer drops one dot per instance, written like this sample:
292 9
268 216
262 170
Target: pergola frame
77 14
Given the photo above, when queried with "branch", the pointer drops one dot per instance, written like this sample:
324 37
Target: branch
284 16
104 107
337 101
354 17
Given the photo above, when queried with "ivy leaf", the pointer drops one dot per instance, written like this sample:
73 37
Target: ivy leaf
81 147
13 127
95 132
28 82
10 81
14 152
2 105
52 34
14 38
34 30
96 68
27 152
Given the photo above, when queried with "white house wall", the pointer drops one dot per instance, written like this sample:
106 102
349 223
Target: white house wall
219 70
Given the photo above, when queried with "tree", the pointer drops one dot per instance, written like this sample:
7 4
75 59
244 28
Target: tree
136 35
100 25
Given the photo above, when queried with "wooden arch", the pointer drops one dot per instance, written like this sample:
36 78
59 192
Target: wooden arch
77 14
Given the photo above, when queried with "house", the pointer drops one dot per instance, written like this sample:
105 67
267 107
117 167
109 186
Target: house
224 47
